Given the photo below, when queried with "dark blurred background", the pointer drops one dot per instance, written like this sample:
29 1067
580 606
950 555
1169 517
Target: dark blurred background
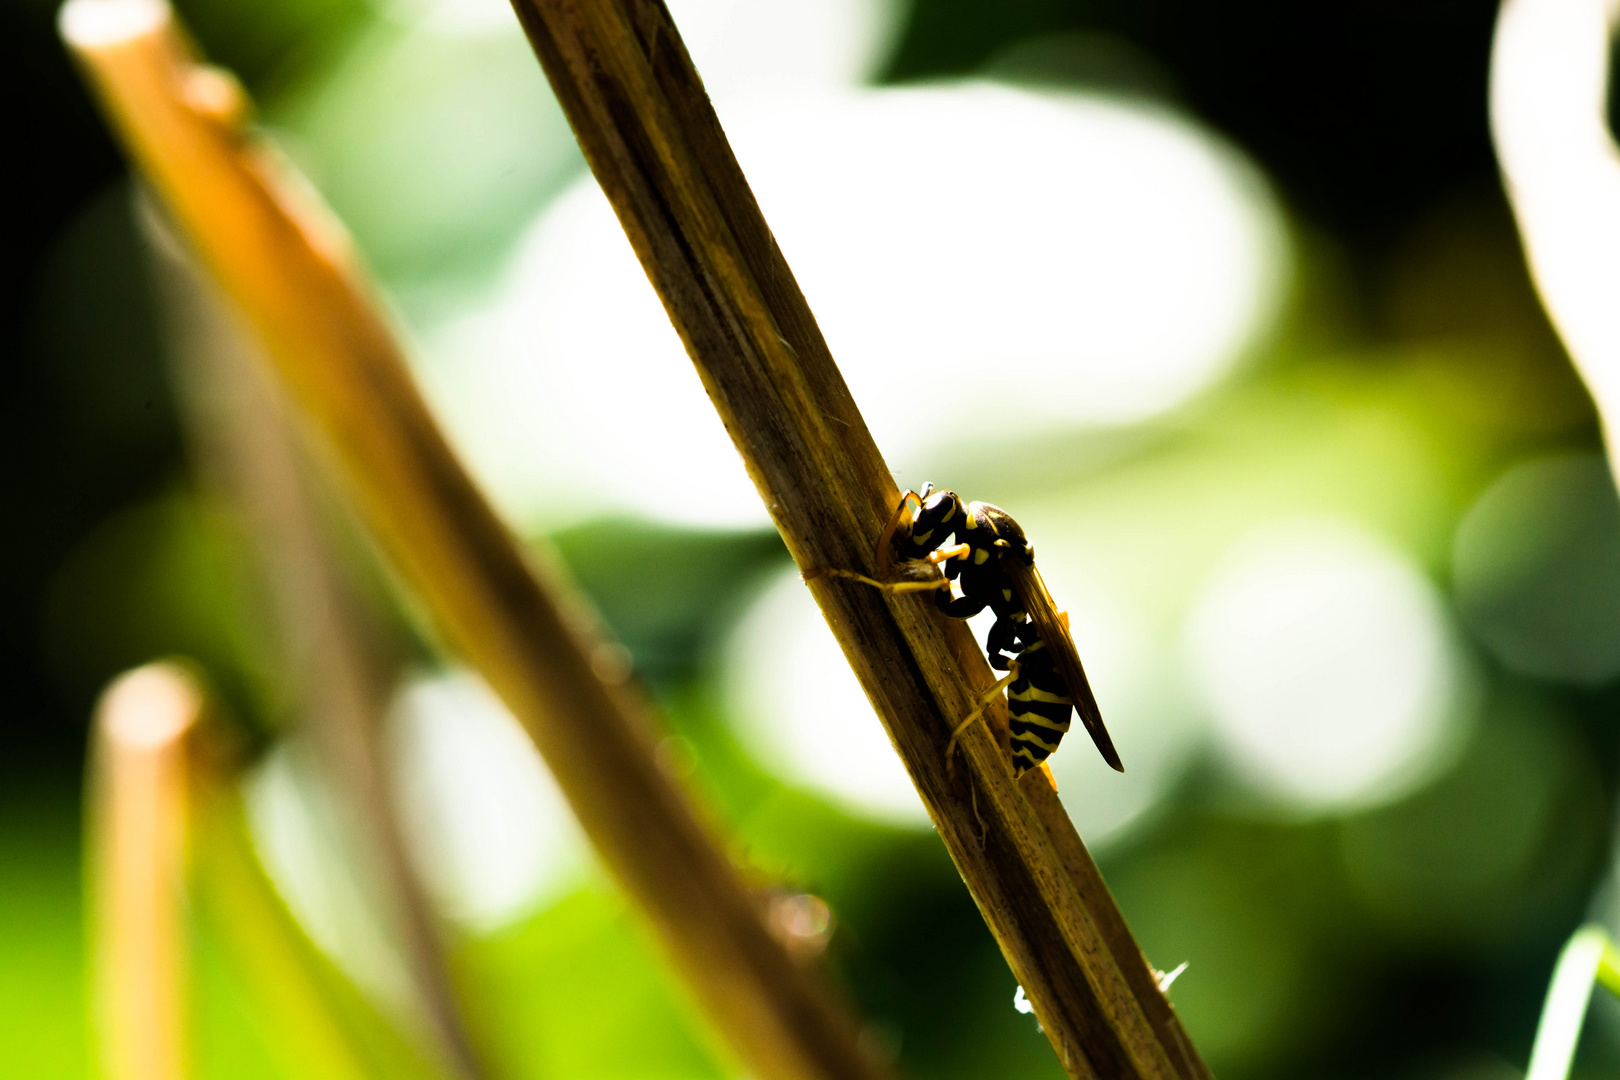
1369 120
1370 117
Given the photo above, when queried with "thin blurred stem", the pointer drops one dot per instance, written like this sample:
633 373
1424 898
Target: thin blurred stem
332 659
136 854
168 840
624 79
1589 957
287 267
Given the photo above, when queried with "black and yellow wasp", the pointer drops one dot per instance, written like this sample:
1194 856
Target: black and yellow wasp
993 566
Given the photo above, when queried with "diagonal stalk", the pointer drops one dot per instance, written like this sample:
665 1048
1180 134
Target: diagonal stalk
330 652
1588 959
285 264
636 103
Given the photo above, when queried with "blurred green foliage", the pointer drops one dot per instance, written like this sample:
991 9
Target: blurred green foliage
159 579
1413 386
667 592
471 115
42 987
266 1002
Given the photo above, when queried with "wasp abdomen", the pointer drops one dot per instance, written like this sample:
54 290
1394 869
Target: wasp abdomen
1038 708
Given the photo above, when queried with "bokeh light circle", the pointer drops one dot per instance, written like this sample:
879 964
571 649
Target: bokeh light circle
485 822
1136 672
1327 665
737 45
799 709
1536 564
303 835
979 258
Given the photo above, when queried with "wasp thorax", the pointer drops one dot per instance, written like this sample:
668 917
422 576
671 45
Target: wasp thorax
1009 534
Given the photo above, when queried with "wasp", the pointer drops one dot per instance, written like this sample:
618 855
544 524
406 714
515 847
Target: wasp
992 563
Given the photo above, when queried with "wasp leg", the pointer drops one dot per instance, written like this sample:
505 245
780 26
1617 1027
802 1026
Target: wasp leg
955 551
1003 642
886 586
963 607
967 721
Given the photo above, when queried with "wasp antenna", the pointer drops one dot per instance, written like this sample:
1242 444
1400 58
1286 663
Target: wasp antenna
889 530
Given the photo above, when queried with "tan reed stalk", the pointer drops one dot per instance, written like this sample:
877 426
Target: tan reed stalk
330 655
136 856
285 264
624 78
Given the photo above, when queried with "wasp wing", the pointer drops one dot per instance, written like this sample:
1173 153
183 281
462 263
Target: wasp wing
1050 625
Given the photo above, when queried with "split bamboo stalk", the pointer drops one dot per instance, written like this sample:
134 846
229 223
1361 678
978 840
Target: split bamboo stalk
636 103
136 861
285 264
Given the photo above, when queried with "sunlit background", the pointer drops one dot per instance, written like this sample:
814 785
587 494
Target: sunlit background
1223 302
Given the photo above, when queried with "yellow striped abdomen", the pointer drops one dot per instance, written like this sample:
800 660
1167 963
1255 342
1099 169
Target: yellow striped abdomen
1038 708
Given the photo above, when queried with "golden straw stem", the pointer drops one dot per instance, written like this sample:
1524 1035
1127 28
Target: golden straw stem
136 861
624 79
285 264
330 652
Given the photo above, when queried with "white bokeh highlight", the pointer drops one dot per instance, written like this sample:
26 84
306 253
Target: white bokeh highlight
798 708
304 841
980 258
1328 666
737 45
484 821
743 48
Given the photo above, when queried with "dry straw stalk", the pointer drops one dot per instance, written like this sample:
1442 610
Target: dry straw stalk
331 660
637 105
287 267
136 850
